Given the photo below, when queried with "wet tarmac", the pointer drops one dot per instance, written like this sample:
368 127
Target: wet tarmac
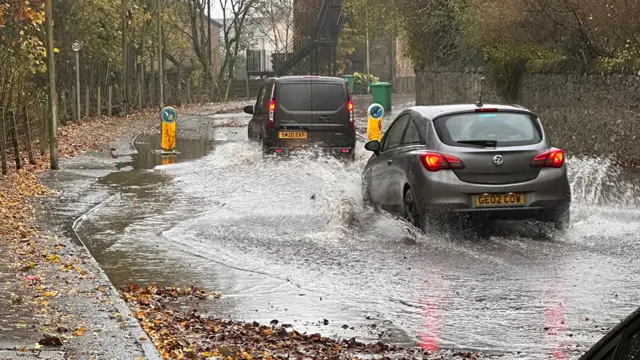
289 240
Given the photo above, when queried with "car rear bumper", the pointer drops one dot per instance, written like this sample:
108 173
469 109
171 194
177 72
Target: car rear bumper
312 150
444 192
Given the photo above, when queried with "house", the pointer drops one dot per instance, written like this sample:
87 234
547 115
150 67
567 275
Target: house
264 37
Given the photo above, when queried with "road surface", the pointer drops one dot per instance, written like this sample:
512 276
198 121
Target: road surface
289 240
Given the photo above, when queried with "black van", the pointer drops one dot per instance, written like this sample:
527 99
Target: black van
304 111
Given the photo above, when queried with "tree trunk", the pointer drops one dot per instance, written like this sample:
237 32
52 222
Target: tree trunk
43 130
3 144
88 100
189 99
53 96
152 81
27 128
74 101
14 139
179 84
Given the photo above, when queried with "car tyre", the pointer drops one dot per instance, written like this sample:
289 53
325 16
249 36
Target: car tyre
366 197
561 219
411 212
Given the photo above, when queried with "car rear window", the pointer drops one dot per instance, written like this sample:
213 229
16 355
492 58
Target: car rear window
328 97
294 96
506 129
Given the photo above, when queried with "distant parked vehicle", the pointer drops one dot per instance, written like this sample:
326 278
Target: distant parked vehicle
304 111
480 162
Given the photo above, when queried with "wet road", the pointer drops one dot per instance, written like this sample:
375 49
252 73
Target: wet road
289 240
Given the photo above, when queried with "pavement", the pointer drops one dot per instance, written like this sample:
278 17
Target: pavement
74 299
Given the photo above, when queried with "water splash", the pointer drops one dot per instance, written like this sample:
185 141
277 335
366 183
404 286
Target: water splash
600 181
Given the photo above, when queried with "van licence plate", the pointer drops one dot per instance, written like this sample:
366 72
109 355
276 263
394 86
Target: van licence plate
499 200
292 135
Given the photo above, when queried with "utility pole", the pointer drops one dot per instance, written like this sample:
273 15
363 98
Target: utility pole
125 57
160 56
53 94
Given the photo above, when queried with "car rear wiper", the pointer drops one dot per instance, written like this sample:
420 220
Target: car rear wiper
489 143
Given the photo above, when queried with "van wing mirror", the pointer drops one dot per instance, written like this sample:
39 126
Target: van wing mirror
249 109
373 146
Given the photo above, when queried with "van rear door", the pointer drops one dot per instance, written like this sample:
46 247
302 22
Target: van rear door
293 110
330 113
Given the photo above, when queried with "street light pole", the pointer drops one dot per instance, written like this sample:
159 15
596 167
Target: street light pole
160 57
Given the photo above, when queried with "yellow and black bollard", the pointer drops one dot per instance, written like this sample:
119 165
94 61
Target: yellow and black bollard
168 128
374 123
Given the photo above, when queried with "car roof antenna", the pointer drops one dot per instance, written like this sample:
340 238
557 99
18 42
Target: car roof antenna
480 101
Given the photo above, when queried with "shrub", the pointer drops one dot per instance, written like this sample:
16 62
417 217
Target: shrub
361 82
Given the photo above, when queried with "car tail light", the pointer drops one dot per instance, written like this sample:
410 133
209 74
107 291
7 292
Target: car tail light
551 158
352 118
272 107
485 110
436 162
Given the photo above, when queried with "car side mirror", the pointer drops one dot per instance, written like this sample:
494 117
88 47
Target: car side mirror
248 109
373 146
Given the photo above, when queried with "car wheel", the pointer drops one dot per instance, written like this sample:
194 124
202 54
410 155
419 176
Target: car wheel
562 219
411 211
366 197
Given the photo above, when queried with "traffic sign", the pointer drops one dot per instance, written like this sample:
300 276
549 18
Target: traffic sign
76 46
374 123
169 114
376 111
168 129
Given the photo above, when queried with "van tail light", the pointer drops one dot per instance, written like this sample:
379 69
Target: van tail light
272 107
553 158
272 110
435 162
352 118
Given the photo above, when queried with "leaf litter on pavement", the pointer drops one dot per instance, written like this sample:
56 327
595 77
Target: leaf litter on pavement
180 332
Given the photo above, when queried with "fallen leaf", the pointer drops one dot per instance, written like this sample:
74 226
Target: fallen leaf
80 331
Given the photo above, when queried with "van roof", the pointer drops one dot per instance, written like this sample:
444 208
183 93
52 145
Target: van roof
308 77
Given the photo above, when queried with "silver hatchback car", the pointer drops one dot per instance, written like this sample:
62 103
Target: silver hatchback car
476 161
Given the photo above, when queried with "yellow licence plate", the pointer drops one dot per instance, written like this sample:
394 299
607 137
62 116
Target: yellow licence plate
292 135
496 200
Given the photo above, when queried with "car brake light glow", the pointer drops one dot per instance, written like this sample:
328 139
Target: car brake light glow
272 110
435 162
352 118
272 107
551 158
485 110
345 150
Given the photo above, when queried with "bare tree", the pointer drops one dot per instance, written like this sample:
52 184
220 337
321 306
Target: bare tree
200 35
234 16
275 23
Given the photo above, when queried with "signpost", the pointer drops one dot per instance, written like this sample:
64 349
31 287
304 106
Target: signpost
76 47
169 117
374 123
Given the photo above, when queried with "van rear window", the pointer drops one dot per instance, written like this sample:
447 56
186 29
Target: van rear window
503 128
328 97
294 96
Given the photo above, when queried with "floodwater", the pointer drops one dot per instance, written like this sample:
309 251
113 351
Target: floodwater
290 240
